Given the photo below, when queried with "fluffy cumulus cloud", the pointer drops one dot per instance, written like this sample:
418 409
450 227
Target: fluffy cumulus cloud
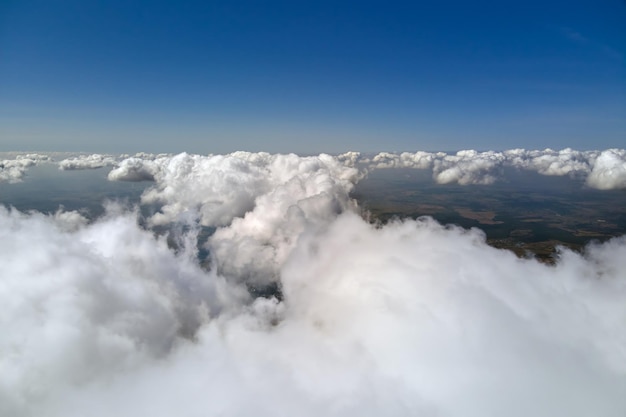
603 170
609 170
349 158
467 167
303 193
134 169
218 188
417 160
13 168
93 161
265 199
550 162
409 318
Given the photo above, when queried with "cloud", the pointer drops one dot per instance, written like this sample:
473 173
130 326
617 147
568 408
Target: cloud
581 40
214 189
85 302
609 170
550 162
473 167
218 188
13 170
108 320
134 169
417 160
303 193
572 35
93 161
174 174
349 158
467 167
408 318
263 198
437 309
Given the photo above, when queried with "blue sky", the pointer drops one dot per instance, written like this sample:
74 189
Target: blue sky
309 77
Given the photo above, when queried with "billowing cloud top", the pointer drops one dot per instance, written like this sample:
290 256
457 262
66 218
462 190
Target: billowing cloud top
609 170
409 318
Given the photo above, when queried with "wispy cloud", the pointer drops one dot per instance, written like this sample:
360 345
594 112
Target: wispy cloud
575 36
583 40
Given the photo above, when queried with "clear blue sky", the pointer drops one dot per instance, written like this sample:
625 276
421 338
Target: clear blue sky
308 77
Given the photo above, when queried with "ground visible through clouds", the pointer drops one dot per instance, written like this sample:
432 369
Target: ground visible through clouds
528 213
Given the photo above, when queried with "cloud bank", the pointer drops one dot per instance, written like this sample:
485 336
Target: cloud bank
602 169
409 318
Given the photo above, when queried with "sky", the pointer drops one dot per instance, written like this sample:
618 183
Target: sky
311 77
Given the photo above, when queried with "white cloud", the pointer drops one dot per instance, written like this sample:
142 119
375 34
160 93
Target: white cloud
304 193
609 170
218 188
13 170
214 189
349 158
82 303
472 167
408 318
263 198
374 321
550 162
417 160
468 167
93 161
134 169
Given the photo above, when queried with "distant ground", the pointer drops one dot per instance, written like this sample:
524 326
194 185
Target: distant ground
528 213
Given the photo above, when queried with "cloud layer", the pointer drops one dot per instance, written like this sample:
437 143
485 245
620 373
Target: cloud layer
409 318
602 169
